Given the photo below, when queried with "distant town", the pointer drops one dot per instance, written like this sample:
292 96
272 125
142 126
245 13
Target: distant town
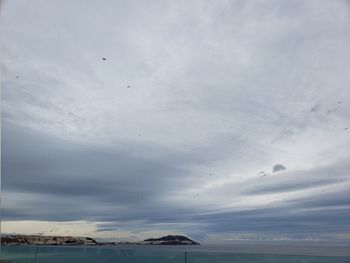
46 240
76 241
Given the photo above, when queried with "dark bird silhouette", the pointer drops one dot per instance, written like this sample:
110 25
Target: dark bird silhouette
103 58
128 86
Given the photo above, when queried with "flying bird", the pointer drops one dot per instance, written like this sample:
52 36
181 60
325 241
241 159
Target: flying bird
128 86
103 58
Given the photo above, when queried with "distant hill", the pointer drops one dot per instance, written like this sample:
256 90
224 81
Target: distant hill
170 240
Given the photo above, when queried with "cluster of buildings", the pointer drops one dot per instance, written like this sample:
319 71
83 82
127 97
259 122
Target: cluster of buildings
46 240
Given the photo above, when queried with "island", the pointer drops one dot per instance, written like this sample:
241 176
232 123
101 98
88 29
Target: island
170 240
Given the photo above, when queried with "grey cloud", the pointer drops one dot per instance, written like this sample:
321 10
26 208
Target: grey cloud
329 175
288 219
263 174
35 164
288 185
315 108
278 167
94 179
106 229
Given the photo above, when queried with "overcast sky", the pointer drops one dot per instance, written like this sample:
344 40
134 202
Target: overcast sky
221 120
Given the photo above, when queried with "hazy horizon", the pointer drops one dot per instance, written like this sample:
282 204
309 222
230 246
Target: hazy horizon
226 121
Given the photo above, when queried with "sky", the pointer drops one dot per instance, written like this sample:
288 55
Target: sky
225 121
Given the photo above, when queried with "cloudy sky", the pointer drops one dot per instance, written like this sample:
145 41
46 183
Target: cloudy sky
221 120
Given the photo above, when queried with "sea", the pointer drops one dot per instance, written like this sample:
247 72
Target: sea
177 254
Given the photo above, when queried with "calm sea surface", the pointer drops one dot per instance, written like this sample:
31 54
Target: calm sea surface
178 254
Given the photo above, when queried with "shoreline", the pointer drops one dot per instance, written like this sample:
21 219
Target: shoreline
277 249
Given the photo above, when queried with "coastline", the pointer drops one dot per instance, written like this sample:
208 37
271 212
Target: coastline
255 249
